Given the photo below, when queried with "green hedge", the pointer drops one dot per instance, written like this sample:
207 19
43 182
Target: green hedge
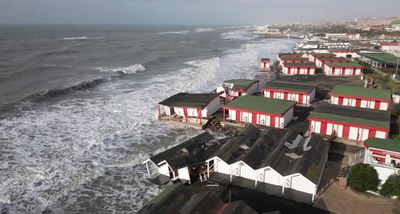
363 177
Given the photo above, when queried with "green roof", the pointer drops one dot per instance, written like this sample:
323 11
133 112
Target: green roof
293 64
295 58
261 104
395 22
362 92
385 58
290 86
339 64
390 145
353 120
240 81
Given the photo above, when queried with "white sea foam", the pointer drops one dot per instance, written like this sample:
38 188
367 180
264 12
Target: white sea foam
81 38
239 34
53 150
174 32
132 69
200 30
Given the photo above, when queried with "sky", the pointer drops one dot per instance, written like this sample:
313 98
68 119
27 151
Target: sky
190 12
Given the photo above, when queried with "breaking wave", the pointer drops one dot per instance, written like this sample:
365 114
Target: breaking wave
81 38
174 32
238 34
132 69
63 91
200 30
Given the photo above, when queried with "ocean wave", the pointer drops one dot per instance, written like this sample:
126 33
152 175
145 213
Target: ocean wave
62 91
239 34
200 30
132 69
81 38
174 32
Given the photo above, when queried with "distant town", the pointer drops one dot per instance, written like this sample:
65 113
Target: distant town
316 130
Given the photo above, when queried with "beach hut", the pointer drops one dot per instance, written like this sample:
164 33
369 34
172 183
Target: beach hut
265 64
260 111
305 68
303 94
343 69
349 122
321 61
378 99
187 106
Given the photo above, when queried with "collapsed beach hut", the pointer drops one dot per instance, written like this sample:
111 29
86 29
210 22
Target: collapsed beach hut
186 107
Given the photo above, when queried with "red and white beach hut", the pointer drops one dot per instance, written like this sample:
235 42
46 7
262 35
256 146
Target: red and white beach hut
303 94
307 68
378 99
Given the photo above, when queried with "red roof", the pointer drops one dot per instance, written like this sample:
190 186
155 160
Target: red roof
389 43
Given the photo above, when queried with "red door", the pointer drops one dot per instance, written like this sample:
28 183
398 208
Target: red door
323 127
371 133
308 71
271 94
254 116
238 116
272 121
358 103
298 70
377 105
346 131
289 70
285 95
185 113
340 101
354 71
300 98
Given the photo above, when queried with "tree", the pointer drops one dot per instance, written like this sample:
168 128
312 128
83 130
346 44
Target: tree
392 186
363 177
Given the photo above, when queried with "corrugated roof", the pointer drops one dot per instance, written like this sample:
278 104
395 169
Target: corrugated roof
241 81
351 115
261 104
304 64
395 22
385 58
189 100
290 86
390 145
344 64
362 92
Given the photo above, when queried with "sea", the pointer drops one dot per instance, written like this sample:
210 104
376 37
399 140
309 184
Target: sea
78 107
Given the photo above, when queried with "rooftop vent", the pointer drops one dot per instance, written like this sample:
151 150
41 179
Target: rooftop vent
244 147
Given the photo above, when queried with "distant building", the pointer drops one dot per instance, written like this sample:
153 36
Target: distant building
384 156
288 55
349 122
389 46
305 68
185 107
380 59
281 163
301 93
342 68
260 111
378 99
345 53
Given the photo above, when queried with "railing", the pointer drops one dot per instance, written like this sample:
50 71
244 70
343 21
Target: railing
356 158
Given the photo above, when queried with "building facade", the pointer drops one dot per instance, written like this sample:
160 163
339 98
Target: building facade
301 93
343 69
298 68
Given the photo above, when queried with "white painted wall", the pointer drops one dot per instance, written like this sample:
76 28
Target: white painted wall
246 171
271 176
300 183
232 114
384 172
220 166
183 173
253 89
287 117
163 169
246 117
211 108
384 106
380 134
